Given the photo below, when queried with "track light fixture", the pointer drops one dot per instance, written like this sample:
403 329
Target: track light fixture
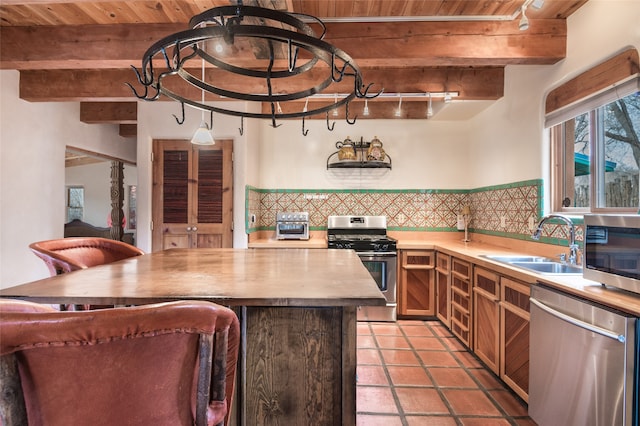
524 21
398 112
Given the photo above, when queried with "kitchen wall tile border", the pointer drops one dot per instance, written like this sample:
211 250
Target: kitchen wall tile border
434 210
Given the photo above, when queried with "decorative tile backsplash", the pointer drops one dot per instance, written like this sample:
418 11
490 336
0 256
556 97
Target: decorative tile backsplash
503 210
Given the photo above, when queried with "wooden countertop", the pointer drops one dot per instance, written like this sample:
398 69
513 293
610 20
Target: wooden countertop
232 277
574 284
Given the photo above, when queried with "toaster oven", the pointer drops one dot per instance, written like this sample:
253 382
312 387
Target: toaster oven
292 226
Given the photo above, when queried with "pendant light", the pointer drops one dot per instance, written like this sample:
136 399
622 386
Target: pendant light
203 135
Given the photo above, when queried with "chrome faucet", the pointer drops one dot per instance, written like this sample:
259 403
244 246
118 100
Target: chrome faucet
573 247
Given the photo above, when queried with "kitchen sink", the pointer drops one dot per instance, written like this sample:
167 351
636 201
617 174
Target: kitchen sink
517 258
550 267
539 264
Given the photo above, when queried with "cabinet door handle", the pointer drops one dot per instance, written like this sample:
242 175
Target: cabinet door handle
188 229
194 229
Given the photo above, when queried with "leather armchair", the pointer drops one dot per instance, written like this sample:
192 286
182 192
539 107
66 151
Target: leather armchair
161 364
71 254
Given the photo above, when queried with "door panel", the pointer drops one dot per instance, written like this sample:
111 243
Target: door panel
192 195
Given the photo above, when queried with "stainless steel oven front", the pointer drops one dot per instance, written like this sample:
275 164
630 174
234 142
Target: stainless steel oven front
382 266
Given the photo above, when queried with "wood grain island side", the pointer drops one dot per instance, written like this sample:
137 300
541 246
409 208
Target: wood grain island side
297 309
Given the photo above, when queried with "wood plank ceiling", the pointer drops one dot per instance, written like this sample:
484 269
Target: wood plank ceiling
82 50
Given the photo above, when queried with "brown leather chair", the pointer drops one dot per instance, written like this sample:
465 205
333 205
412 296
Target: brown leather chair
160 364
70 254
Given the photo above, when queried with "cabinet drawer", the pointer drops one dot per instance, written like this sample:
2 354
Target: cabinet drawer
460 327
462 301
416 259
461 268
515 295
487 281
461 285
443 262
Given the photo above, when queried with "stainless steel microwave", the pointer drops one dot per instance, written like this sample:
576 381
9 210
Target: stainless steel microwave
612 250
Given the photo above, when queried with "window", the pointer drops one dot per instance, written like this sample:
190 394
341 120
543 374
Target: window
597 158
75 202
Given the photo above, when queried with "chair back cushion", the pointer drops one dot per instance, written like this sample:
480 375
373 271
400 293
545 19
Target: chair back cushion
134 365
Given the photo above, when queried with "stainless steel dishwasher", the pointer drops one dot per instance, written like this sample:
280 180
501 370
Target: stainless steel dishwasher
582 362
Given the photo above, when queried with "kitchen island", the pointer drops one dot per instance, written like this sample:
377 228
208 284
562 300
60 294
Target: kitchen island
297 309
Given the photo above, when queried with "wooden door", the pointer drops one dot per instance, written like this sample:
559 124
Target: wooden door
192 205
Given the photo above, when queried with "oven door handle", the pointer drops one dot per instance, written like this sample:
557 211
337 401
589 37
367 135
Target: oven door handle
371 254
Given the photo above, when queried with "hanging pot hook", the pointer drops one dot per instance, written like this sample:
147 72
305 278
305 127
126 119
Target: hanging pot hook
330 127
347 115
177 119
241 129
304 132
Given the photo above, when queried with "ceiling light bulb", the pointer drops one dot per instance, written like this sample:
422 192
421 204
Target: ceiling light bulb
447 98
429 107
335 109
524 21
365 111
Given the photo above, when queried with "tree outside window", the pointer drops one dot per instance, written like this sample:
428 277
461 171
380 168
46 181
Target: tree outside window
599 155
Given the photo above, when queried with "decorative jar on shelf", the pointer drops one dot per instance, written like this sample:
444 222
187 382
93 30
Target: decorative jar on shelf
375 151
346 150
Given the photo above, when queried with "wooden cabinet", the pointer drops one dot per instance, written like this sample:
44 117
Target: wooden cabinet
416 283
486 317
514 335
443 288
192 204
461 300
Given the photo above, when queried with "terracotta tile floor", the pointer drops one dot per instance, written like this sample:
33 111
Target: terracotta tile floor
417 373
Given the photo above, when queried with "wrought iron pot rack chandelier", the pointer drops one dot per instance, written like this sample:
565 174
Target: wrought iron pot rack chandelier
304 52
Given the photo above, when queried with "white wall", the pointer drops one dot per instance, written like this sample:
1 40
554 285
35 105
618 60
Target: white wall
33 138
424 154
508 142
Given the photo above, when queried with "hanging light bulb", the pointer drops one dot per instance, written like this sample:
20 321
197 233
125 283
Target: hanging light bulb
429 107
203 135
365 111
335 101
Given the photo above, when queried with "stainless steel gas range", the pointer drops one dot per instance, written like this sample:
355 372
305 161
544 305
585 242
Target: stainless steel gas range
367 235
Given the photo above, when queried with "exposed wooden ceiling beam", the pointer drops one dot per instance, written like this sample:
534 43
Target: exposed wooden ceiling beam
109 112
390 44
485 83
128 130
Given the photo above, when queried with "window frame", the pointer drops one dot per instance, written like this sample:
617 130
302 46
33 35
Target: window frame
562 162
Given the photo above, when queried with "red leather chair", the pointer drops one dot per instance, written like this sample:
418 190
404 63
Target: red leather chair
70 254
160 364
